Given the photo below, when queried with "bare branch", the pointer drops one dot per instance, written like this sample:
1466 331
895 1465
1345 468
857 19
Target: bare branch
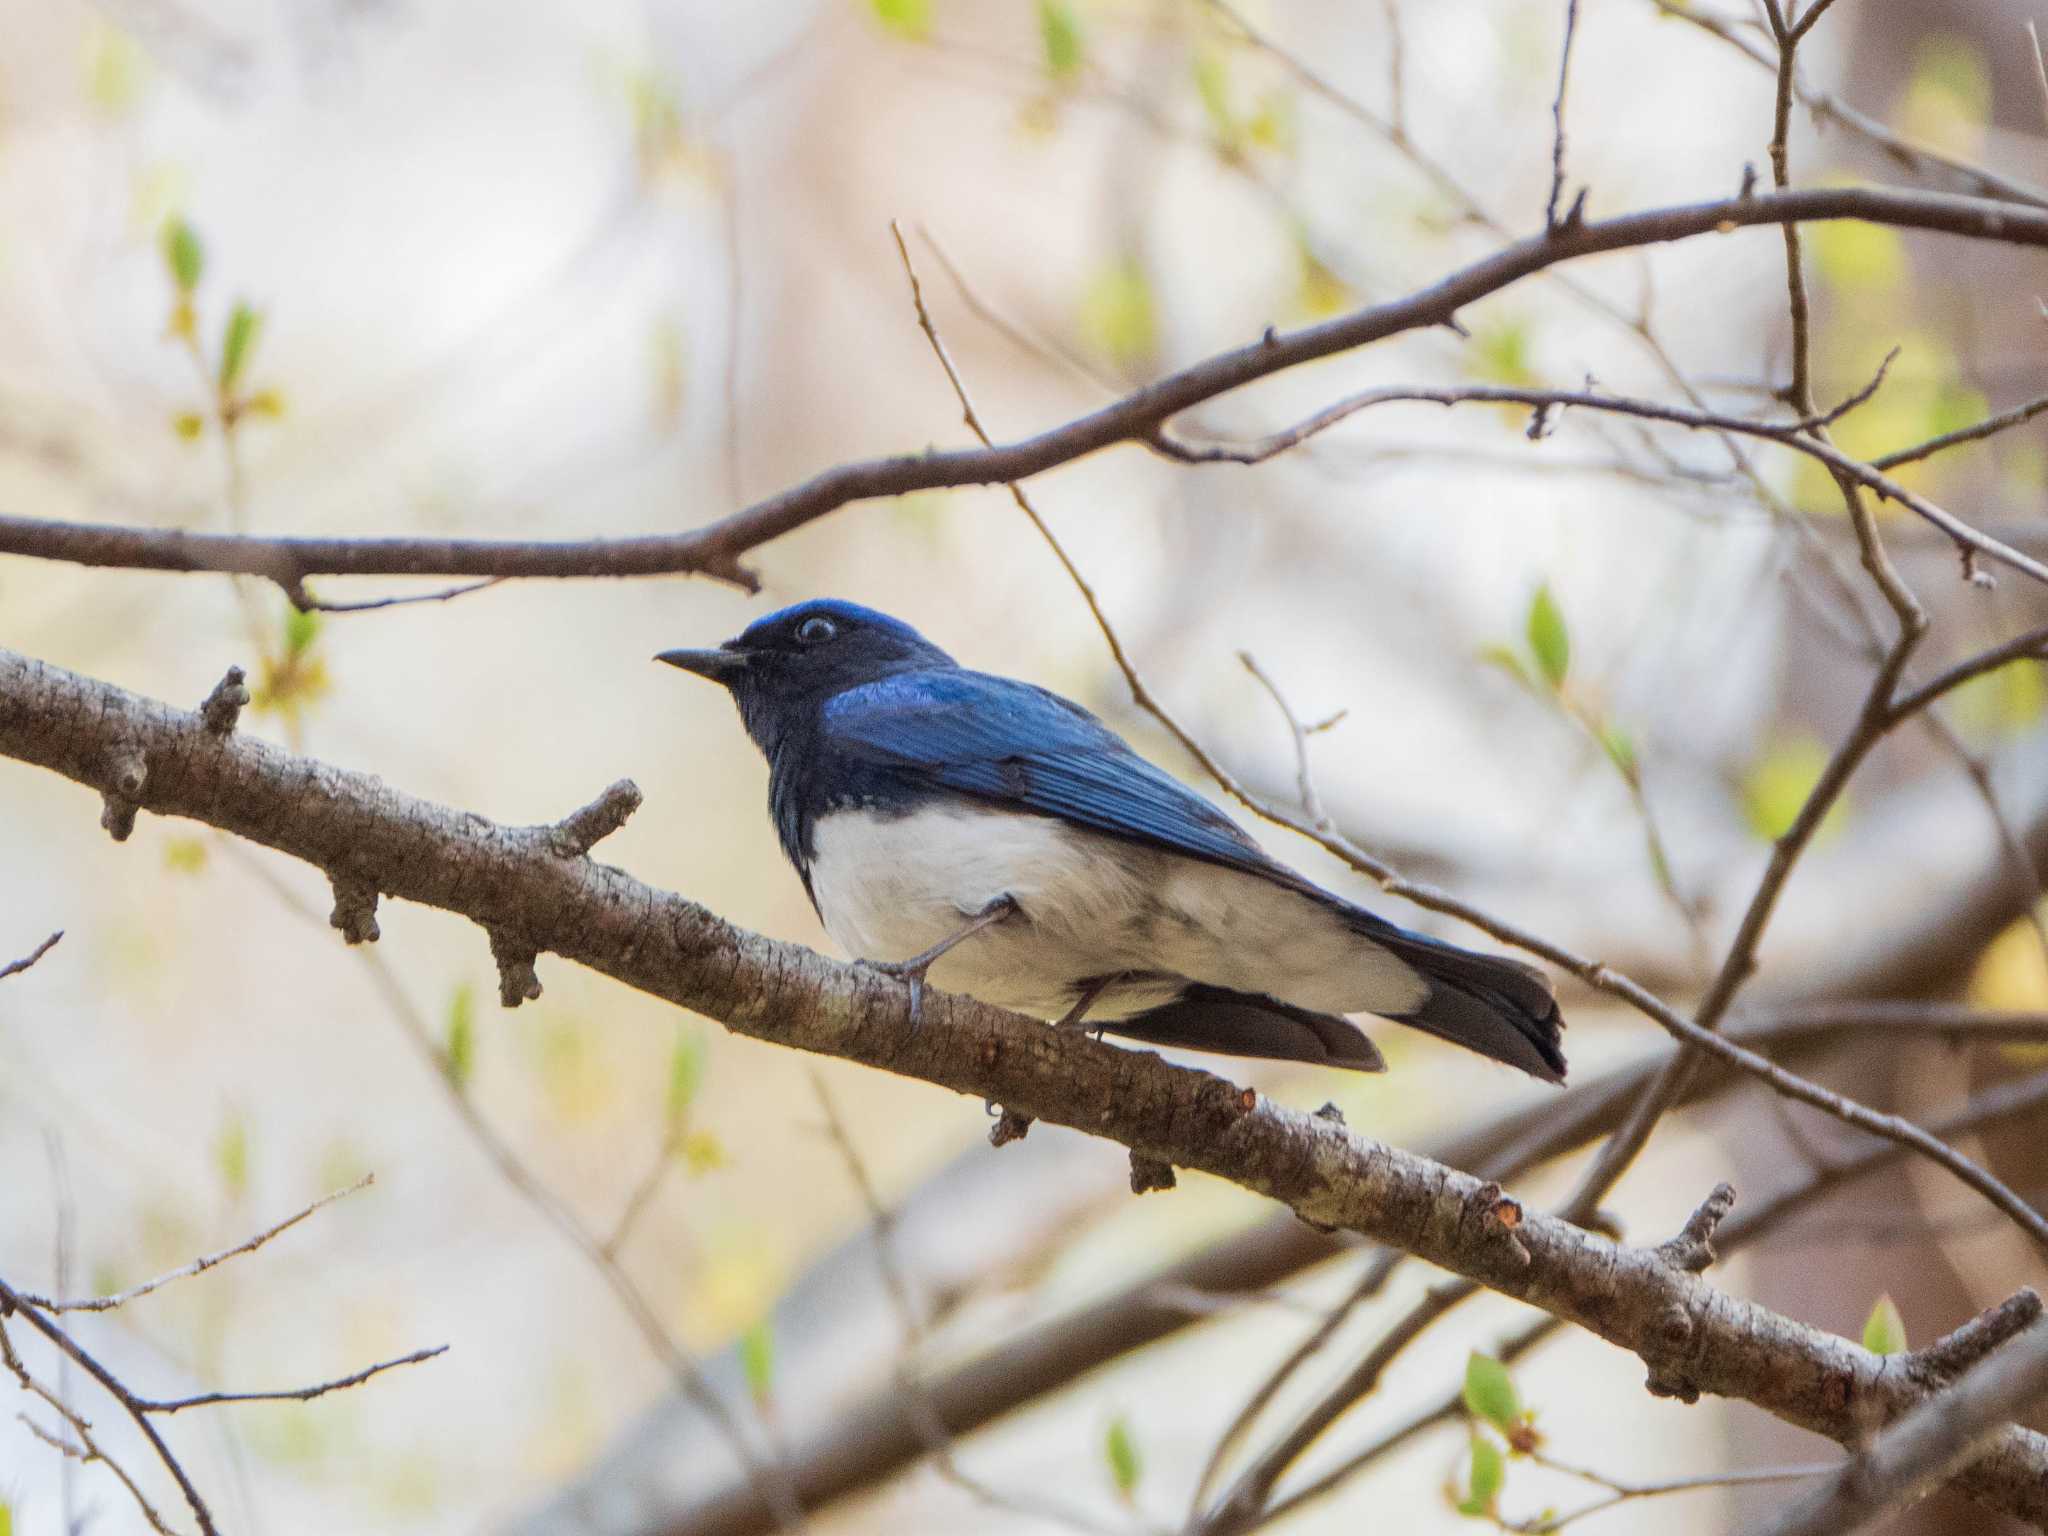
16 967
715 549
307 602
1625 1492
197 1266
1991 426
287 1394
1551 222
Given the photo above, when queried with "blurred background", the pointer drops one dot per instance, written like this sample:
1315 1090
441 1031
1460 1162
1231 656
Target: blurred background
551 270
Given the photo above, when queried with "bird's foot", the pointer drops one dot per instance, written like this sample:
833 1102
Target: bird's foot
914 970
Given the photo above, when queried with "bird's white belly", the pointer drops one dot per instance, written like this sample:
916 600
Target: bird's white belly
1090 906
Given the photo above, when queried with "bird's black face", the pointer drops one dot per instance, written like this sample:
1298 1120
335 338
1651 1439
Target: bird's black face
784 667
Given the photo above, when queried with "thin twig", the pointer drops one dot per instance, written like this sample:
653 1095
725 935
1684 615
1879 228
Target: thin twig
1622 1492
16 967
306 602
1564 77
1989 427
1311 801
197 1266
287 1394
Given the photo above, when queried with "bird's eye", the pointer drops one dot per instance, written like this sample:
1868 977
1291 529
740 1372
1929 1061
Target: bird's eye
815 630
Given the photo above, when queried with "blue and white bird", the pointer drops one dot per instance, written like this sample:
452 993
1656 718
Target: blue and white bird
1003 841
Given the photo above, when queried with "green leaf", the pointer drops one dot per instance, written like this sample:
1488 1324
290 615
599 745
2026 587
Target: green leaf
1779 783
231 1156
1061 30
1126 1466
1117 312
301 629
1884 1331
6 1518
244 323
183 254
1490 1392
1549 641
906 18
757 1359
1489 1471
458 1052
685 1076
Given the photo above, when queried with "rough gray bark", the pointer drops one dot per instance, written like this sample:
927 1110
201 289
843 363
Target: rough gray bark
534 889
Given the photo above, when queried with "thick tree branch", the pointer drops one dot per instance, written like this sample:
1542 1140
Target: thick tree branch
715 549
516 881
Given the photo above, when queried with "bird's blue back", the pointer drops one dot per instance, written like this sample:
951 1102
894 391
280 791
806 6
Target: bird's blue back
902 741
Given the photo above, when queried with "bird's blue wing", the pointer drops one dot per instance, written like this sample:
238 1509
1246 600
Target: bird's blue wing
1011 744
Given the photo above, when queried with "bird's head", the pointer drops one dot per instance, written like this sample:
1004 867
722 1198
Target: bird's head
783 667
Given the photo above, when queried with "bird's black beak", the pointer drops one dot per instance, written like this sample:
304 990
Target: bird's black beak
723 666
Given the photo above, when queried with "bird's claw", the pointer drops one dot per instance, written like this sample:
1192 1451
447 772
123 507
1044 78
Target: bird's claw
911 973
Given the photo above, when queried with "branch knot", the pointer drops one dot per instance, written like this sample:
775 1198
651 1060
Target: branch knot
1954 1353
223 707
1497 1216
518 982
355 910
1148 1174
1692 1250
582 830
121 794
